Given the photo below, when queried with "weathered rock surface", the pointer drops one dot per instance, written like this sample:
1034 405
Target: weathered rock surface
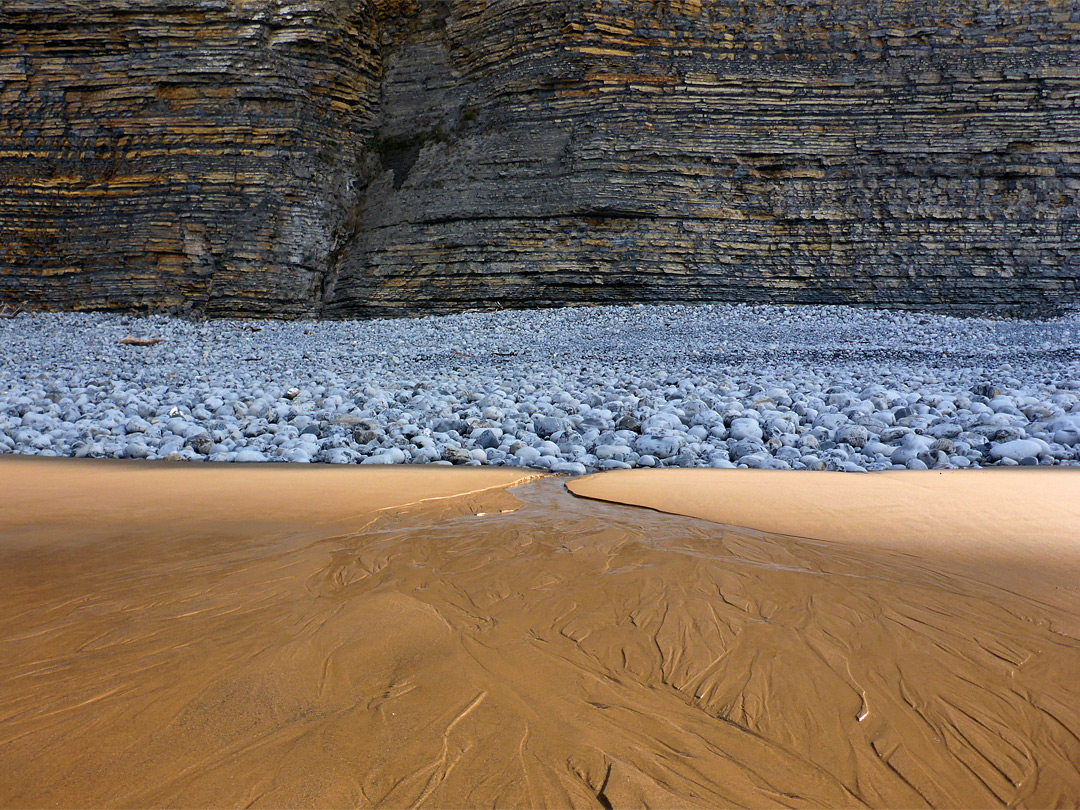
179 153
360 158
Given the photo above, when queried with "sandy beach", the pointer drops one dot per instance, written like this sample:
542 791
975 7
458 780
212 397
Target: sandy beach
412 636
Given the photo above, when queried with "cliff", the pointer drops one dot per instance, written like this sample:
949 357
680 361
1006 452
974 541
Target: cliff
179 154
344 157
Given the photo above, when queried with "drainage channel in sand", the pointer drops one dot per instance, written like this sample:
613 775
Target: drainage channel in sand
455 653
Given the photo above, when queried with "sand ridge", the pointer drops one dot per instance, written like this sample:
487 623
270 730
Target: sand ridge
1019 511
82 499
454 653
1020 527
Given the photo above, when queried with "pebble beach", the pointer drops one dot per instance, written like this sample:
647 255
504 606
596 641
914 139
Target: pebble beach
569 391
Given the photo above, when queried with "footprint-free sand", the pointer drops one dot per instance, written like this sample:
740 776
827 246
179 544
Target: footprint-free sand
333 637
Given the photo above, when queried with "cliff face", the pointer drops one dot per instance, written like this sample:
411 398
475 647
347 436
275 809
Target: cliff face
179 153
346 157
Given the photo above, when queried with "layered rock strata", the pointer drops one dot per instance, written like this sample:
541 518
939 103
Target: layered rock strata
399 156
179 154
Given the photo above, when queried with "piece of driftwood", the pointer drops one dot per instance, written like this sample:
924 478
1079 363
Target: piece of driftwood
130 340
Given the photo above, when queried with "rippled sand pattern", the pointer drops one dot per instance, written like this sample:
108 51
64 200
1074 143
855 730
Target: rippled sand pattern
568 653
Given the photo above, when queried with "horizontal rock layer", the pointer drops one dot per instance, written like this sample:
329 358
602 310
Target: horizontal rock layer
400 156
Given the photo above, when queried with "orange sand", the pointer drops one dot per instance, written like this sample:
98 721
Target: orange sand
270 637
1004 522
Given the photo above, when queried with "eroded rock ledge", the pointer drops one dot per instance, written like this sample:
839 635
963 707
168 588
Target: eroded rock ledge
344 157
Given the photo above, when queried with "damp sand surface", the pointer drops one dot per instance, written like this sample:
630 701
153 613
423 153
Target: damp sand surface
417 637
1017 527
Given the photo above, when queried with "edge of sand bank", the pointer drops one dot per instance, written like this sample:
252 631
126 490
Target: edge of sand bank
81 499
1018 527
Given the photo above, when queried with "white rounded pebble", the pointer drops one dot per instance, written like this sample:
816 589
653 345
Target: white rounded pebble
527 455
1019 449
745 428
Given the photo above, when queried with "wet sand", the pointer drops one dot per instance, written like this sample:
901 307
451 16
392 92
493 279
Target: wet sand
322 638
1019 528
